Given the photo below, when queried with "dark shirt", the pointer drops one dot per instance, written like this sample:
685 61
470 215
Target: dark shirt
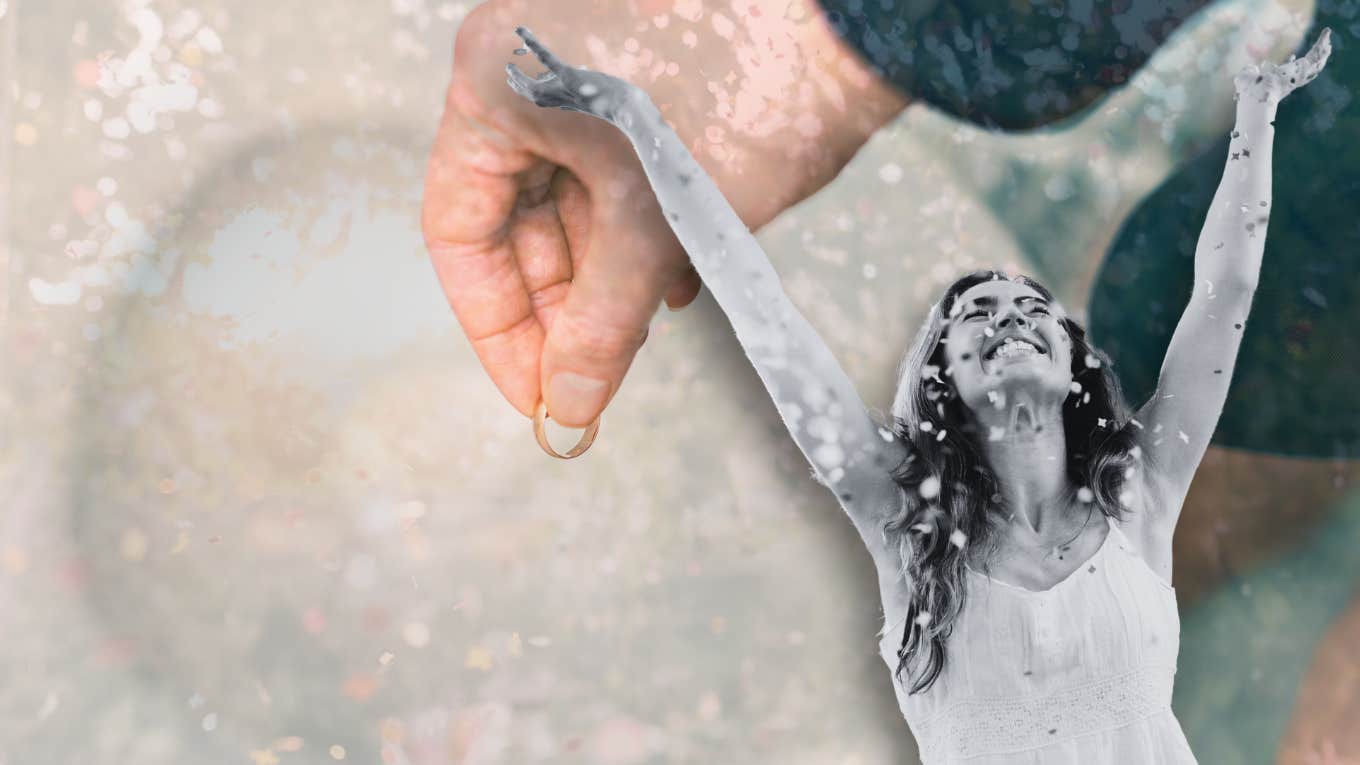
1009 64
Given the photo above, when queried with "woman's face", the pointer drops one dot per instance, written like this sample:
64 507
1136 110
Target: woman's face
1005 342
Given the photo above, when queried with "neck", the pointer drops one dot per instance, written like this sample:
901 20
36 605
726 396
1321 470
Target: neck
1025 446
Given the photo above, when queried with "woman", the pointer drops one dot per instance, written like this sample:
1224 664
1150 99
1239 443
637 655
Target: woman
1020 519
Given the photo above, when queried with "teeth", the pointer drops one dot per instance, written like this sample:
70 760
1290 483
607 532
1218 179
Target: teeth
1014 348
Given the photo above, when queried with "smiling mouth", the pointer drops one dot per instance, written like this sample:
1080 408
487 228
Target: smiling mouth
1013 348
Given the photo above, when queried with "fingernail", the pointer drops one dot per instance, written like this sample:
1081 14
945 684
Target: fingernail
574 400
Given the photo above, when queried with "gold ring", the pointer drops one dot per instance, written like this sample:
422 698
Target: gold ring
587 438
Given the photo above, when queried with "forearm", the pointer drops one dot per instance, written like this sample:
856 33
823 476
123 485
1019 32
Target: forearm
1232 241
812 393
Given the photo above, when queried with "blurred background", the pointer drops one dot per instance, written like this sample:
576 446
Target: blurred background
260 504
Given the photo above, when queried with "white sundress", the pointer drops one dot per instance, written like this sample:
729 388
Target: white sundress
1078 674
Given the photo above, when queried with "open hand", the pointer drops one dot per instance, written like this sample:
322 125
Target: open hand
567 87
1272 82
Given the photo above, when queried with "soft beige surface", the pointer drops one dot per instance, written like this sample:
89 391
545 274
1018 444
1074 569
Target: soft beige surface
261 502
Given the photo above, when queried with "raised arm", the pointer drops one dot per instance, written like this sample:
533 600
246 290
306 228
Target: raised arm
848 451
1179 419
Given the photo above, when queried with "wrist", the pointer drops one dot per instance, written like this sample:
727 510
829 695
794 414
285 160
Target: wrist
772 106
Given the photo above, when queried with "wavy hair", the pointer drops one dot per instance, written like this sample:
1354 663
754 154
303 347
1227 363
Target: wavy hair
944 449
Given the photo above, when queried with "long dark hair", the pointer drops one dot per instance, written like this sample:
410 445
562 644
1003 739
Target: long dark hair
944 450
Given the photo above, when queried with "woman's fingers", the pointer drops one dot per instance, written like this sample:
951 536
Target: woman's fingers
543 54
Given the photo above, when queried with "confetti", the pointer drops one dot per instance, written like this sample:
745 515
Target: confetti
958 539
416 634
478 658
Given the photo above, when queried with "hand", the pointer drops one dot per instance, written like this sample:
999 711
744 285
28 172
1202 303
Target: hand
568 87
542 227
1269 82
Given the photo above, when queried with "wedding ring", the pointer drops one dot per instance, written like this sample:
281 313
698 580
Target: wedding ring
587 438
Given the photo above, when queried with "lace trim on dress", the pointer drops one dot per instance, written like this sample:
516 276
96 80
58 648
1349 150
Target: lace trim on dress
1003 726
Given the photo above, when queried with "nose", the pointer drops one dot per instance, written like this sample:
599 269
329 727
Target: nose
1013 315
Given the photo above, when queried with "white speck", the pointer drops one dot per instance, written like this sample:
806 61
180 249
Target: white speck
386 658
51 701
116 127
1181 435
890 173
996 433
923 619
208 40
1058 188
828 455
958 539
1126 498
210 722
930 487
870 270
927 426
940 436
106 186
1075 387
94 109
48 293
1085 495
1092 361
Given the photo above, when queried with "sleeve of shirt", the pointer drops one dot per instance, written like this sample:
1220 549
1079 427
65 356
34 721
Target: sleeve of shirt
1008 64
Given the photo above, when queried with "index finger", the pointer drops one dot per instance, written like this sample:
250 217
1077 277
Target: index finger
470 191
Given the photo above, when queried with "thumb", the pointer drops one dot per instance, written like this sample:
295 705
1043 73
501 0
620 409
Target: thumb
615 290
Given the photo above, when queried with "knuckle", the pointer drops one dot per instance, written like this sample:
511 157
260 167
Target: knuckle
600 340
